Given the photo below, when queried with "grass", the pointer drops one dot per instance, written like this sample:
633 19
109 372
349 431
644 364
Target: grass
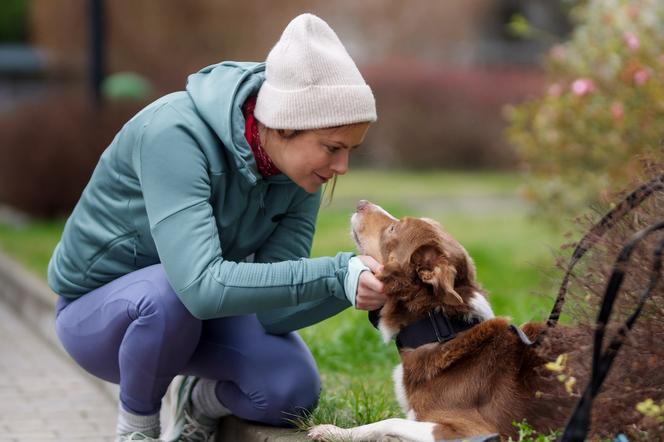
32 244
512 252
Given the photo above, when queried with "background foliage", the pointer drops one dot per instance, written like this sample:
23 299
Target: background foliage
603 112
13 21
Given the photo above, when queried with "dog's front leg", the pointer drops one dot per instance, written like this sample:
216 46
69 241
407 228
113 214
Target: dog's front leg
403 429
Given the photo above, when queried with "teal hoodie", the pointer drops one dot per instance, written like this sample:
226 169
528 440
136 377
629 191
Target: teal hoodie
179 185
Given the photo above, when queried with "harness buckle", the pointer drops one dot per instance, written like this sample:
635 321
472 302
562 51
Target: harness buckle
442 326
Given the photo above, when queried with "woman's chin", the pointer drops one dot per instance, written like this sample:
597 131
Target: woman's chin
309 187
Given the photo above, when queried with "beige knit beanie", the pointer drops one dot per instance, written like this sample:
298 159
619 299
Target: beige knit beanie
311 82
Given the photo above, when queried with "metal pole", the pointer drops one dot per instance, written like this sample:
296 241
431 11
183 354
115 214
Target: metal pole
96 10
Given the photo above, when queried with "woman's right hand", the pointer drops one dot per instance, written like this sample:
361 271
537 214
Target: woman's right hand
370 294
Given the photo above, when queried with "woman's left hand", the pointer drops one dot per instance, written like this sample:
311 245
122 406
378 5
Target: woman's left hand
370 294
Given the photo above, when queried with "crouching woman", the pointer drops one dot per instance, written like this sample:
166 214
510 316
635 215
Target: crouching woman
187 253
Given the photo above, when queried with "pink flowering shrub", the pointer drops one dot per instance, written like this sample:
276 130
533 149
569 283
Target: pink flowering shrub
602 112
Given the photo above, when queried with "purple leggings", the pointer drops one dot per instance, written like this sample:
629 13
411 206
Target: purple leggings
136 332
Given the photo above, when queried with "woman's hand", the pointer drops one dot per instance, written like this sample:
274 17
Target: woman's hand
370 294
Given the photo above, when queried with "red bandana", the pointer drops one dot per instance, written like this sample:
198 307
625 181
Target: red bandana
265 165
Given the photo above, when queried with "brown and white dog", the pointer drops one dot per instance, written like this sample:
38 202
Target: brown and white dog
477 380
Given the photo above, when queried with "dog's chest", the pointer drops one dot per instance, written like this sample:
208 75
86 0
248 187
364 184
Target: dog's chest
401 394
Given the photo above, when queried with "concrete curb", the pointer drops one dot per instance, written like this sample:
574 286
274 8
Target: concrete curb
34 303
233 429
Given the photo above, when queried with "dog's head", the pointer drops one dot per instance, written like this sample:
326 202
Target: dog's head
424 267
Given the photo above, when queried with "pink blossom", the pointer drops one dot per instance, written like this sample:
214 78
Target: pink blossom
582 86
617 111
632 41
554 90
641 76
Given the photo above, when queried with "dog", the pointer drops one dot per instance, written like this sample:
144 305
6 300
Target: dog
464 372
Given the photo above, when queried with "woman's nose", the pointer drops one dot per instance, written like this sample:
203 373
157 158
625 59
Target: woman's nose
340 165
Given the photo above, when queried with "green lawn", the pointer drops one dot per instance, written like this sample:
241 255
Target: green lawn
32 244
513 254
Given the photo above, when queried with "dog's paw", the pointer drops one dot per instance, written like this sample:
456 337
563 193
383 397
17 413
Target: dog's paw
327 433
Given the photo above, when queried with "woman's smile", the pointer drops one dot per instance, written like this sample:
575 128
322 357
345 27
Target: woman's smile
322 178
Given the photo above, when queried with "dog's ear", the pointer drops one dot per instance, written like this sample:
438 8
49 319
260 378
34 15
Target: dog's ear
433 268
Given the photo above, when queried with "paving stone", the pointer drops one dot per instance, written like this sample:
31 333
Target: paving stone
42 395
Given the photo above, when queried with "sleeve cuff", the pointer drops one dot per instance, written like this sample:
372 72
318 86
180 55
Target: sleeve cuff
355 269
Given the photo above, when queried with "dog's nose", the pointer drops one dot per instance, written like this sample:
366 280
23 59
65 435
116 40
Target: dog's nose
362 204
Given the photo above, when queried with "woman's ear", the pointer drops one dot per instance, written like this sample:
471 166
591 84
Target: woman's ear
433 268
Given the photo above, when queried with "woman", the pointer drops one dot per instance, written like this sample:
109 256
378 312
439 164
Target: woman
187 251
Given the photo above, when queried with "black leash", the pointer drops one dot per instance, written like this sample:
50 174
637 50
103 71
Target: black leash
630 202
579 423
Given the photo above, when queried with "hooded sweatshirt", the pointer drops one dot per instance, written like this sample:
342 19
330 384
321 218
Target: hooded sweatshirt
179 186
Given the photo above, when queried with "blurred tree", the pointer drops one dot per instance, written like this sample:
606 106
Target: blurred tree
13 21
603 112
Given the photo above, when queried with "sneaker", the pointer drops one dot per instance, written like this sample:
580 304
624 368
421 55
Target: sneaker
183 423
197 428
136 435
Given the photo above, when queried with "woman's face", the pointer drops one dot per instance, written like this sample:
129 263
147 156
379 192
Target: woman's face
312 157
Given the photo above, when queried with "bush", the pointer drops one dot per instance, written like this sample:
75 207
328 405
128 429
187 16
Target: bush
636 375
49 147
603 110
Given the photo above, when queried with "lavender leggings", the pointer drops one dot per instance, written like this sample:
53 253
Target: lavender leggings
136 332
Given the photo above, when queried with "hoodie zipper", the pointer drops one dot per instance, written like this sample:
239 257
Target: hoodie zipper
261 202
261 188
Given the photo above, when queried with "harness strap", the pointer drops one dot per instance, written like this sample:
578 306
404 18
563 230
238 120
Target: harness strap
524 338
579 423
436 326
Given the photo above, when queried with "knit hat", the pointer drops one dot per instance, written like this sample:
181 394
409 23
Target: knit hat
311 82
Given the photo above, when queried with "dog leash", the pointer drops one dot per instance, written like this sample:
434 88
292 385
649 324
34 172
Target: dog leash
598 230
579 423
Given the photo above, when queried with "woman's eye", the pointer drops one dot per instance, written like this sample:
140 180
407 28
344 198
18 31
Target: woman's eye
392 228
332 149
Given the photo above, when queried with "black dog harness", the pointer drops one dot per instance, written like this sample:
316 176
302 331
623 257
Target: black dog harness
436 326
